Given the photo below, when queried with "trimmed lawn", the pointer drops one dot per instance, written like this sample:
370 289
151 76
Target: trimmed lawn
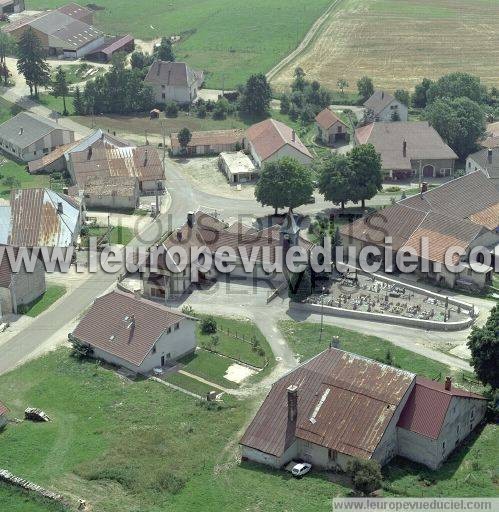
8 110
303 338
189 384
51 295
209 366
10 168
228 332
56 104
119 235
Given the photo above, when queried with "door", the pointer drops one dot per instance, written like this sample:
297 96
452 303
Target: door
162 361
428 171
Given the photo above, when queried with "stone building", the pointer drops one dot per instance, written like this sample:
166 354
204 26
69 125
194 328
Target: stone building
486 161
338 406
331 129
386 108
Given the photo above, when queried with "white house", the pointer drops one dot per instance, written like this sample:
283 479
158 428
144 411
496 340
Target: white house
135 333
338 406
486 161
385 108
272 140
174 81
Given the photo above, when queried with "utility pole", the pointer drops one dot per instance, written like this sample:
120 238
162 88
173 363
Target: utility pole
163 133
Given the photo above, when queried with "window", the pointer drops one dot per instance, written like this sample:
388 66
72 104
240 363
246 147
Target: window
443 446
154 349
176 326
163 96
169 330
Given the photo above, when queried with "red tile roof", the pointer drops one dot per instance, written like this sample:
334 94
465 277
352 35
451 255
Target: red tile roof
105 325
326 118
427 405
210 138
345 403
270 136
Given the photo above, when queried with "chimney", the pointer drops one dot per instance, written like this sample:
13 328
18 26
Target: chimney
60 208
335 342
190 219
292 403
424 187
489 156
145 158
404 148
89 153
448 383
293 136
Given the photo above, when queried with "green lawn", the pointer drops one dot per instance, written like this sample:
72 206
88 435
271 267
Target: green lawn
229 39
51 295
231 335
56 104
14 500
209 366
189 384
8 110
9 168
119 235
76 73
303 338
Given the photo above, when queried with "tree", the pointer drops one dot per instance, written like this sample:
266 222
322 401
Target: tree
365 87
78 104
208 325
140 60
402 96
171 109
419 98
164 51
366 475
484 345
300 285
221 109
5 73
256 97
7 47
457 85
184 137
460 122
31 62
60 87
299 83
284 183
285 104
11 182
334 179
364 164
342 85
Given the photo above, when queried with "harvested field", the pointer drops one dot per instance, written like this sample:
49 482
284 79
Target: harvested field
399 42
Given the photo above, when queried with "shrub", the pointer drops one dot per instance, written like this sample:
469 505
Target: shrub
171 109
393 188
208 325
366 475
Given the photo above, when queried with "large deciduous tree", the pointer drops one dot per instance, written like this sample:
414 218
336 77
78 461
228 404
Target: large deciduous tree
365 87
460 122
165 50
284 183
484 345
334 179
256 96
364 165
420 96
184 137
31 62
457 85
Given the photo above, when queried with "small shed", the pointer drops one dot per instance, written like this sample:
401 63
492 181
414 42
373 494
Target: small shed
105 52
238 167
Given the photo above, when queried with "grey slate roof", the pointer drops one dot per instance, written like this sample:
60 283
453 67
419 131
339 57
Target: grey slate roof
486 162
26 128
177 74
379 101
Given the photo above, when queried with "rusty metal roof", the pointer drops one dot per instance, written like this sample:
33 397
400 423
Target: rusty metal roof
345 403
427 405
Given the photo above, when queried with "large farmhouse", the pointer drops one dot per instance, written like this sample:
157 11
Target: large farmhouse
135 333
462 213
486 161
272 140
174 81
338 406
28 136
384 107
408 149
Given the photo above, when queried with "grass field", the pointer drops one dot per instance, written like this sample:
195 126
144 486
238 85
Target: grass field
209 366
121 235
399 42
51 295
229 39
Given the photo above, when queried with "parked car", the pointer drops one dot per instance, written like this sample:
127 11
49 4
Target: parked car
301 469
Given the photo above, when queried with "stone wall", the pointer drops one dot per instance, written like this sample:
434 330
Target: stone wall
15 481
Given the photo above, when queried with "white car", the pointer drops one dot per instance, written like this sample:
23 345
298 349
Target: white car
300 469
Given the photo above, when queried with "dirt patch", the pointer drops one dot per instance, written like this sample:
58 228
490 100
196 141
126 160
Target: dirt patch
237 373
146 46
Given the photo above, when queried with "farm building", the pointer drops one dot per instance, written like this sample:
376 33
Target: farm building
211 142
238 167
66 31
203 230
486 161
461 213
385 108
19 287
408 148
331 128
28 136
3 415
338 406
111 193
174 81
134 333
112 45
272 140
39 217
10 7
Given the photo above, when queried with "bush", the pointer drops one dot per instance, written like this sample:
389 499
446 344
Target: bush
171 109
393 188
366 475
208 325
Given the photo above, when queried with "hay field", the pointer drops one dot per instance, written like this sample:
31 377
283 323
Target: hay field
399 42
